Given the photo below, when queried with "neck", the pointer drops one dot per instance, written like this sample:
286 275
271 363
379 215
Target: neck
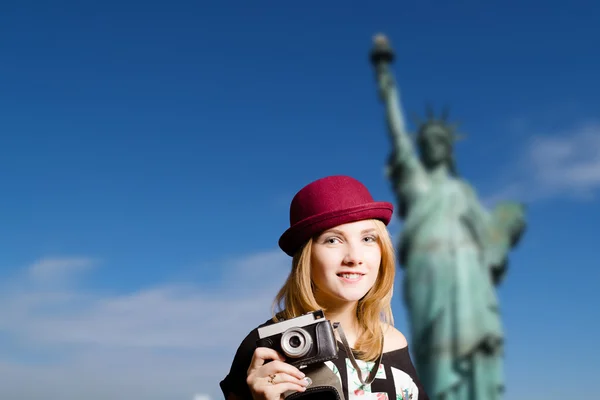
439 171
346 315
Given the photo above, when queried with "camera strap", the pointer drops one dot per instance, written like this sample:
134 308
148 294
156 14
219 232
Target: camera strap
337 327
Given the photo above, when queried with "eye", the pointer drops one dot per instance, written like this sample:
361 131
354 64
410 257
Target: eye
370 239
331 240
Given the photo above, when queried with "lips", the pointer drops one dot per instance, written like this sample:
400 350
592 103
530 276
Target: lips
351 276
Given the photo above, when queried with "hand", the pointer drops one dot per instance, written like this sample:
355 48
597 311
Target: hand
268 381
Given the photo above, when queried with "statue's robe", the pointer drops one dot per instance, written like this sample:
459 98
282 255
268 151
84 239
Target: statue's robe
450 295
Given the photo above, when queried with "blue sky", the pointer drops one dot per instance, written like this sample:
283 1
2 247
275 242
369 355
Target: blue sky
149 153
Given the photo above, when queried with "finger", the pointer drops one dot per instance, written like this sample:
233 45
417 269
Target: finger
262 354
275 379
278 367
281 388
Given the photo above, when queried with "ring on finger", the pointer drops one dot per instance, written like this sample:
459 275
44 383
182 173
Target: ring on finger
272 379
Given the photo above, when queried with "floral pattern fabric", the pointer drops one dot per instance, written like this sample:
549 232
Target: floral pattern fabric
403 385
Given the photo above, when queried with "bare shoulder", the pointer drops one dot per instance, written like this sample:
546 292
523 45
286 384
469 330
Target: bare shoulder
394 339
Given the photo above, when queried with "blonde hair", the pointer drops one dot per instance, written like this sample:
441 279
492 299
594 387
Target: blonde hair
296 296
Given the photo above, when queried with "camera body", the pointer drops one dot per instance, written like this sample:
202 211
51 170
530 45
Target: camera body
302 340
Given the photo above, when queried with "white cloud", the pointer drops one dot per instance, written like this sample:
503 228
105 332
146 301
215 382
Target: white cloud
170 341
566 164
52 268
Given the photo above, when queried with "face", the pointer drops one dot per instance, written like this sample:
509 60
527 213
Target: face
434 145
345 262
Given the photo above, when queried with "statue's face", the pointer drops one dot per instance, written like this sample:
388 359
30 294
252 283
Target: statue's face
435 145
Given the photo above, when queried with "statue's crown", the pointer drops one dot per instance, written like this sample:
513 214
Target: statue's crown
442 122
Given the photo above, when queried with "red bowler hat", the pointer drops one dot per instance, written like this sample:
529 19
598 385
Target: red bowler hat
326 203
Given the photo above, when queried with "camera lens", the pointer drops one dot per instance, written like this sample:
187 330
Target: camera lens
296 342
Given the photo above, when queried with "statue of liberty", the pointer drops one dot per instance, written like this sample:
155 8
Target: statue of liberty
453 251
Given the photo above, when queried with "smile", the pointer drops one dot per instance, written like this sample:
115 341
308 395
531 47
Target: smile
351 277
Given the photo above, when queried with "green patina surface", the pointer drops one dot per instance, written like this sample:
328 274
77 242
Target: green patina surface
453 252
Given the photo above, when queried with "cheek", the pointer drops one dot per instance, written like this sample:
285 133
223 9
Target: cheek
447 148
324 262
319 273
319 270
374 261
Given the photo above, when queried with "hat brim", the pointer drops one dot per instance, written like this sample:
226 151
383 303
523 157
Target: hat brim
296 235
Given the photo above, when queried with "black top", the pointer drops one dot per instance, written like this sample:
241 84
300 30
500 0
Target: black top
396 380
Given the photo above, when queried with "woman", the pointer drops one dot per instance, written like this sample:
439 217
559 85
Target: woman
343 263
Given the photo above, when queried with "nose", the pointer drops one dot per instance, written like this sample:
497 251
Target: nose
353 255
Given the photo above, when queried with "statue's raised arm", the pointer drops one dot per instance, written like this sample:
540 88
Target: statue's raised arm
406 171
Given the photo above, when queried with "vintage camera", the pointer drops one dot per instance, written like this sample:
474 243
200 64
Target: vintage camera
303 340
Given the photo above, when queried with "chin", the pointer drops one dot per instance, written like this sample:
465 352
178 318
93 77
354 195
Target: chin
352 296
339 292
